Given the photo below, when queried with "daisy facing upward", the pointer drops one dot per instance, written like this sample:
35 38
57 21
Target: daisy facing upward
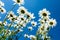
19 2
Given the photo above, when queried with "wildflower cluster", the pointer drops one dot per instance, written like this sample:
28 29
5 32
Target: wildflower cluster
46 23
14 24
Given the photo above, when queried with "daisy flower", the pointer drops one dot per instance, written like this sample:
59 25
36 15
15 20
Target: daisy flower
33 23
2 10
30 15
12 16
41 21
26 36
21 18
19 2
1 4
43 29
44 13
22 10
32 37
30 28
5 23
52 22
19 30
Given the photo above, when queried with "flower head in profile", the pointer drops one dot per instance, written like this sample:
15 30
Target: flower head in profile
32 37
19 2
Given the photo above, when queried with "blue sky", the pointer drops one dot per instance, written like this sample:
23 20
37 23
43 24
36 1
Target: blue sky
34 6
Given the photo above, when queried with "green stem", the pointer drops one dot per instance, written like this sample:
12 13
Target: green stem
6 17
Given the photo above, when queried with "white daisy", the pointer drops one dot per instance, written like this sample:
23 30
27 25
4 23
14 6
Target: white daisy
30 28
12 16
26 36
46 18
41 29
30 15
27 21
32 37
1 3
2 10
23 25
41 21
22 10
33 23
19 2
52 22
21 18
46 27
5 23
19 30
44 13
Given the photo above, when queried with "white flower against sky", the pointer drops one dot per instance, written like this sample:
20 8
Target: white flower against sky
30 28
20 30
41 21
1 4
21 18
23 25
5 23
44 13
26 35
22 10
19 2
33 23
52 22
32 37
30 15
10 14
2 10
41 29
